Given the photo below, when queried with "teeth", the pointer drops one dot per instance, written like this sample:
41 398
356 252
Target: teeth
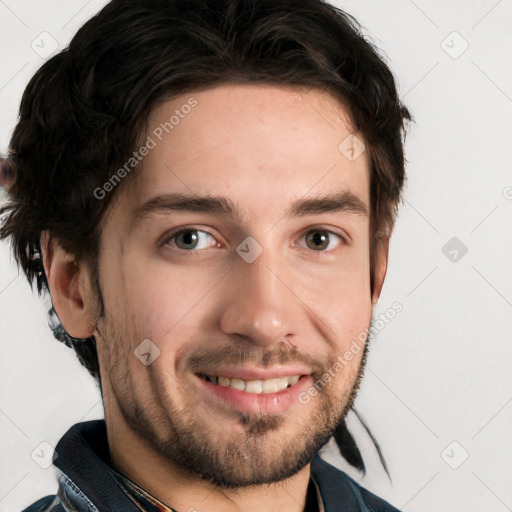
294 379
269 386
223 381
236 383
255 386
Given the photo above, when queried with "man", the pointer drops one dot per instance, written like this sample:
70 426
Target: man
207 191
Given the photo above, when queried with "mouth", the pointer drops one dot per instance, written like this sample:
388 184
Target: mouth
256 386
270 395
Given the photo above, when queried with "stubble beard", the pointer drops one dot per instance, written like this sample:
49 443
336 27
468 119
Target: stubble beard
270 449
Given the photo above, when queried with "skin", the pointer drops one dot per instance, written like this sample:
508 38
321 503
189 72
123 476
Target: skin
300 301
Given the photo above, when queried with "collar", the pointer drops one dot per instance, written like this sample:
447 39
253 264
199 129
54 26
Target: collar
85 476
148 502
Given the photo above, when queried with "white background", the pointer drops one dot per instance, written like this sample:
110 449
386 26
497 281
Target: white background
440 371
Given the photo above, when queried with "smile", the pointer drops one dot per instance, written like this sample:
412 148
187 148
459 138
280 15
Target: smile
253 386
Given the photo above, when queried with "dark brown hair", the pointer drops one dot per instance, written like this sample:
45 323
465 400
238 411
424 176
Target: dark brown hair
85 111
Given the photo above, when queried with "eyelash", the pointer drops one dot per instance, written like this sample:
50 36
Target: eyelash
179 231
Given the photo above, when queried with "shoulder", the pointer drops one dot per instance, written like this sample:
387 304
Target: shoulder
337 487
373 502
50 503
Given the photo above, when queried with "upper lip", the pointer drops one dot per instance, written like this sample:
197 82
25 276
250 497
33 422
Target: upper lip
257 373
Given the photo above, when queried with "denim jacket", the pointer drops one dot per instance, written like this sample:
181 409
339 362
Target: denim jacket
87 483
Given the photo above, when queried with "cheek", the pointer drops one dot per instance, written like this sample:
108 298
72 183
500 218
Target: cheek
342 300
348 317
163 300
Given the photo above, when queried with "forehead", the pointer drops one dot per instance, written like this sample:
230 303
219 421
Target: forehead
262 146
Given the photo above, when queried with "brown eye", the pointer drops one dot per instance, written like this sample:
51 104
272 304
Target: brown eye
320 239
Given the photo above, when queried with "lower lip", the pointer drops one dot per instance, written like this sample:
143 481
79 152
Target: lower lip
270 403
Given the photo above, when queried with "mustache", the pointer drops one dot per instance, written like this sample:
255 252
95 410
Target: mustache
206 360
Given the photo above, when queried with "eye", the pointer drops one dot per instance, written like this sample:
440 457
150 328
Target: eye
192 240
189 239
321 239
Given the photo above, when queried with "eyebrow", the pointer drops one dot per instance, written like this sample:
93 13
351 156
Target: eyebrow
340 202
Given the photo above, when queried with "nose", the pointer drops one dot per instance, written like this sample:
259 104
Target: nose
262 307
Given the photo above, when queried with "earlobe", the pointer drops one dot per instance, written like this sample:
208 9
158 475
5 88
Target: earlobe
381 265
66 288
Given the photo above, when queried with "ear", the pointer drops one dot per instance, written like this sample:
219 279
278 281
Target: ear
67 288
380 265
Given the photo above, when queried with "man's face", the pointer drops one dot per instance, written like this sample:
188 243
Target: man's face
214 305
